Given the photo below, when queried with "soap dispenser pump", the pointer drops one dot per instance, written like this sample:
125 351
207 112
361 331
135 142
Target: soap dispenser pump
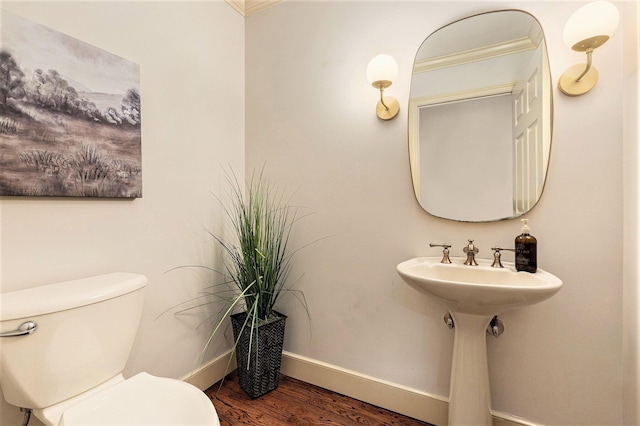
526 249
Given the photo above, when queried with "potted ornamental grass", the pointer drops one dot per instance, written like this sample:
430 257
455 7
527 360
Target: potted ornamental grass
257 264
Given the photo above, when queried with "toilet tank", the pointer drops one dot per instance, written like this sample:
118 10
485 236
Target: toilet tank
85 331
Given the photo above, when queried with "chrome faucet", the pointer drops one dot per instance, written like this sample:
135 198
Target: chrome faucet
470 250
445 251
496 256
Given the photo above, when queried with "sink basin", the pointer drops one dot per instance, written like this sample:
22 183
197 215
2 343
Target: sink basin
473 295
480 290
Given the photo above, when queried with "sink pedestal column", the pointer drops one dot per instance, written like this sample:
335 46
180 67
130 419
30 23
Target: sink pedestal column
470 395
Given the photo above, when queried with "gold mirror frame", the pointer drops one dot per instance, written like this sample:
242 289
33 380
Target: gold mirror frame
476 48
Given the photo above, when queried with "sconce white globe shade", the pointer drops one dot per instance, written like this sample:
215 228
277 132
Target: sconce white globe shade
599 18
382 68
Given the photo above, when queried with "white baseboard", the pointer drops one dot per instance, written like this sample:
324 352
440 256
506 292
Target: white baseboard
391 396
397 398
204 377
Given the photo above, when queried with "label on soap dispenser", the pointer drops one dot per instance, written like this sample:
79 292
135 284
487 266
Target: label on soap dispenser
526 253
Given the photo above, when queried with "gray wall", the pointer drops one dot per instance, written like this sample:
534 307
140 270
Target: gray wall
311 118
192 127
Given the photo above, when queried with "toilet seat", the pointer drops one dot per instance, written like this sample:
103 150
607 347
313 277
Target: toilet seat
144 400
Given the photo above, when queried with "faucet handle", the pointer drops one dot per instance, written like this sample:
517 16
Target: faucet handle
445 251
471 248
496 256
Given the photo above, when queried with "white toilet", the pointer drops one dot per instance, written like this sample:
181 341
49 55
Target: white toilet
63 349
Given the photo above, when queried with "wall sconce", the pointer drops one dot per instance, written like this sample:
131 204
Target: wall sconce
381 72
587 29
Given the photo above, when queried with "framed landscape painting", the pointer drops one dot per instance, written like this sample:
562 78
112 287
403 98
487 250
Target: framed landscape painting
70 123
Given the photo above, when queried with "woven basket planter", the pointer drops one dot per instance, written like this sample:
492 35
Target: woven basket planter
262 373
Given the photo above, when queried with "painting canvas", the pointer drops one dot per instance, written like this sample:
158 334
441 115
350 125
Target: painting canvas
70 123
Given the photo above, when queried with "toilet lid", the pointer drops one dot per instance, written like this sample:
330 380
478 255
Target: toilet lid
144 400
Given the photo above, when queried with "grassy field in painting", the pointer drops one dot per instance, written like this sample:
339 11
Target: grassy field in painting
47 153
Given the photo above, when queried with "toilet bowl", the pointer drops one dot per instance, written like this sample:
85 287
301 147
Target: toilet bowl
66 363
144 400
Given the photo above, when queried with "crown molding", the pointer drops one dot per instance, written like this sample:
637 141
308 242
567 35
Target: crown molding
487 52
250 7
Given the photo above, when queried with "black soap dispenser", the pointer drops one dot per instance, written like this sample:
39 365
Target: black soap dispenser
526 250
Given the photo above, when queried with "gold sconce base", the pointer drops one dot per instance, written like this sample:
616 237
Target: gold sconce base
390 111
590 43
568 85
387 107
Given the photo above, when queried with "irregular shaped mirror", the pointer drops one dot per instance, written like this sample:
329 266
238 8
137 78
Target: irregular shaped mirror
480 118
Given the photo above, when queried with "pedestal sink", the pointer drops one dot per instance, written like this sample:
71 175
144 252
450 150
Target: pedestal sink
474 295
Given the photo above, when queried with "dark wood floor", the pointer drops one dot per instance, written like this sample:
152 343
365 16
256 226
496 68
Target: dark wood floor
297 403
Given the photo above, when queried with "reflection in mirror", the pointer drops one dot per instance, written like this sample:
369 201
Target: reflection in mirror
480 118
